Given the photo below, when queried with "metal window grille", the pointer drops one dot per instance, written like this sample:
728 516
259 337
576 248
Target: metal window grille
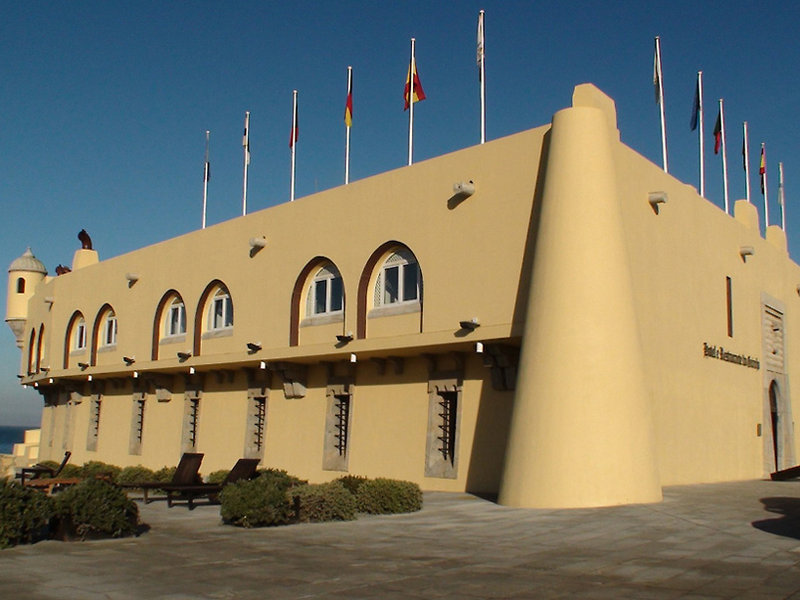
194 410
341 413
139 420
447 414
260 407
96 418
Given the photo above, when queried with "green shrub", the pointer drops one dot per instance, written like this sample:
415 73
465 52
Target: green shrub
217 476
95 468
137 474
387 496
95 508
352 482
281 477
314 503
164 474
71 472
24 514
256 503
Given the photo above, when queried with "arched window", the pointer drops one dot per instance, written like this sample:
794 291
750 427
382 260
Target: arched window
326 292
175 318
109 330
31 347
40 348
20 285
398 281
220 312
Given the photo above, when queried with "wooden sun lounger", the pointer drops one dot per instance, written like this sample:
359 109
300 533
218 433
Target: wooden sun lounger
245 468
186 473
37 471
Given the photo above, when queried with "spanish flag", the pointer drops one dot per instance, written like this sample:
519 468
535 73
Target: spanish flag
348 107
762 169
419 94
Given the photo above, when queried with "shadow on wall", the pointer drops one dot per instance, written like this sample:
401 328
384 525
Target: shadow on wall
788 524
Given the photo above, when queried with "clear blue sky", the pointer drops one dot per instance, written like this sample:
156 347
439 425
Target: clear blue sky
104 105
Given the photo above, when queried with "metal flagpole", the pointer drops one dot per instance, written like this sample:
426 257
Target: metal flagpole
246 146
348 120
700 134
781 199
659 81
412 70
482 73
293 142
206 177
724 158
762 170
746 158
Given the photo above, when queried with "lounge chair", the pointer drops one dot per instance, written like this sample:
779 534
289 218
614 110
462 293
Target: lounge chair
186 473
245 468
38 470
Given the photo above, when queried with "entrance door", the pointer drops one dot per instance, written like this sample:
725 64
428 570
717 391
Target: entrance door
775 421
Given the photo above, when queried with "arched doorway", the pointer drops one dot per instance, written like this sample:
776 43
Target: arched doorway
775 421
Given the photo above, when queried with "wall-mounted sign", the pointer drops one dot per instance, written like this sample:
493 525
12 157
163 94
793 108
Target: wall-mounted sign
710 351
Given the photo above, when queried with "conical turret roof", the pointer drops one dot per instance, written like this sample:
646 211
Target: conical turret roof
28 262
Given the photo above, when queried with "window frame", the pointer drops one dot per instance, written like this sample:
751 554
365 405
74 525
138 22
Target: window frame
327 274
176 306
222 298
79 335
110 330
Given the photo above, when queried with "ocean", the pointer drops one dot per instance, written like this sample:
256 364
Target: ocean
10 436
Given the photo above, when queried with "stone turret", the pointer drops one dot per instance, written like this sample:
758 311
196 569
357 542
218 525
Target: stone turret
24 274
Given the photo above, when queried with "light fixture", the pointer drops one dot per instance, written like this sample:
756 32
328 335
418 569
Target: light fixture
479 347
49 300
253 347
184 355
191 370
746 251
83 366
656 198
465 189
88 378
353 358
262 365
258 242
136 374
345 338
129 360
132 278
470 325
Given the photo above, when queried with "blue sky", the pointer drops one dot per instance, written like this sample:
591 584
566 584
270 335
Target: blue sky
104 105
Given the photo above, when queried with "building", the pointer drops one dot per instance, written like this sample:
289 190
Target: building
566 326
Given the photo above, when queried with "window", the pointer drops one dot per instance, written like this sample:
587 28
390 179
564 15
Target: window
194 417
137 422
259 418
20 285
94 423
175 323
110 330
448 409
221 312
729 305
444 414
79 335
337 426
326 294
399 280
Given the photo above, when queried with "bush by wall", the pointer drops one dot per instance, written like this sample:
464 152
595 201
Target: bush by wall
164 474
137 474
95 508
352 482
323 502
281 477
96 468
217 476
256 503
71 471
387 496
24 514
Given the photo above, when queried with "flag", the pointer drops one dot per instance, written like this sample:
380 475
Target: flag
657 74
695 106
295 131
481 51
348 106
419 94
207 172
744 153
762 169
718 133
246 138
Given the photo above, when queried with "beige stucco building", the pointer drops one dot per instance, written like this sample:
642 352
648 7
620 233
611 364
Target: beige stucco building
567 326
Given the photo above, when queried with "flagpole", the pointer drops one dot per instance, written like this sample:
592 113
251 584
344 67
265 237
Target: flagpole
724 157
347 126
293 142
206 177
746 154
700 133
482 72
660 81
411 105
763 172
246 146
781 197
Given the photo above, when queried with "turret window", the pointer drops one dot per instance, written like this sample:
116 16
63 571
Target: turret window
20 285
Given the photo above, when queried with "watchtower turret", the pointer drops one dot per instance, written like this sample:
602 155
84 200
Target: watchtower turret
24 274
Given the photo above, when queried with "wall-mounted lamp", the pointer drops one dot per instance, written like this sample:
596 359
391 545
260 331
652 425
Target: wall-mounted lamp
656 198
262 365
353 358
136 374
184 355
345 338
49 300
88 378
20 376
132 278
253 347
83 366
51 380
191 370
465 189
45 369
258 242
470 325
479 347
746 251
129 360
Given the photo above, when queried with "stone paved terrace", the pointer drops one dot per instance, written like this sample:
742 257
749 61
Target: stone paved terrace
731 540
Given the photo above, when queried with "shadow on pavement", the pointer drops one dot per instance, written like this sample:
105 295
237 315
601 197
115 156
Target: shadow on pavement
788 524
